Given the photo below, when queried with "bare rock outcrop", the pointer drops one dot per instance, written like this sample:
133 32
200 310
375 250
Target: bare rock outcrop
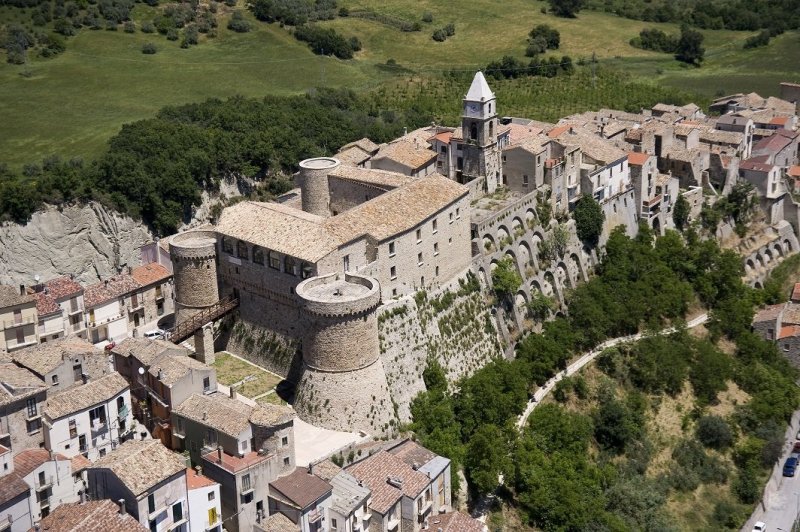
89 241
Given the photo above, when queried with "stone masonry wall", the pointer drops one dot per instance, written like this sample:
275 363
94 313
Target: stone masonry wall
452 324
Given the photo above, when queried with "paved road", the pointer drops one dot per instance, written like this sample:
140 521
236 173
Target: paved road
576 366
782 494
482 506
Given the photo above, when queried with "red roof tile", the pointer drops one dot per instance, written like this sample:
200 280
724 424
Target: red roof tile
195 481
301 488
79 463
556 131
638 158
793 171
444 137
455 522
150 273
90 516
29 459
12 486
779 120
788 331
46 304
750 164
62 287
376 470
235 464
117 286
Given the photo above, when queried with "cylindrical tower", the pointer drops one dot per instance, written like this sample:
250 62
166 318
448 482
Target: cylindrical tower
313 181
194 266
343 386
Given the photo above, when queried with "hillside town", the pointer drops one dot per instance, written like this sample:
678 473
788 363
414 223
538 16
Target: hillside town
111 416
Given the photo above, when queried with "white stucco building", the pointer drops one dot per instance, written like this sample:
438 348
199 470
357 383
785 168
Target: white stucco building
205 510
49 476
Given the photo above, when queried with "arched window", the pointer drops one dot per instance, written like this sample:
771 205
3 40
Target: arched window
258 255
473 132
241 250
491 128
306 271
290 266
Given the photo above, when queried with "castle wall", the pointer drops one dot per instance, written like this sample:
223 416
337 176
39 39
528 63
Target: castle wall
313 180
194 266
346 194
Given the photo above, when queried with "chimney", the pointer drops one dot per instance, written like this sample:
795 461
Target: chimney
121 503
310 469
199 469
219 455
106 282
83 496
405 131
233 393
205 416
160 374
84 378
22 289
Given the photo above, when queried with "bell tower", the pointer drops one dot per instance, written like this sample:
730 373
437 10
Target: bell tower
481 154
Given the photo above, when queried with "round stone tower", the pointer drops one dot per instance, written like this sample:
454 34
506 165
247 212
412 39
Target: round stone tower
194 266
313 180
343 385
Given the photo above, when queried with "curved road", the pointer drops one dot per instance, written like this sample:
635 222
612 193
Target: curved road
483 505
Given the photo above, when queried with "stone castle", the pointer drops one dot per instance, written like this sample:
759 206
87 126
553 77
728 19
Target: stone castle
374 225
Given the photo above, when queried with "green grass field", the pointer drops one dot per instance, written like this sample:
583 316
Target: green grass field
72 104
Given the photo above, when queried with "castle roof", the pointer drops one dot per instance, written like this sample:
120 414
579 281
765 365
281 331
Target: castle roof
231 416
479 91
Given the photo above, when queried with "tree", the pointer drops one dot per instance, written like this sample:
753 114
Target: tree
680 213
148 48
550 36
238 23
714 432
505 279
690 46
589 219
487 457
566 8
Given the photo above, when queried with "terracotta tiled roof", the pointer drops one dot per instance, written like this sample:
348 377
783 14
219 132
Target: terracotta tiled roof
109 289
406 153
376 470
44 358
90 516
173 367
231 416
145 350
28 460
793 171
599 149
398 210
79 463
150 274
326 469
195 481
46 304
521 132
769 313
62 287
791 315
18 383
234 464
750 164
789 331
11 486
442 136
455 522
637 158
80 398
371 176
278 523
779 120
10 296
352 156
4 450
533 145
733 138
776 142
300 488
412 453
141 464
364 144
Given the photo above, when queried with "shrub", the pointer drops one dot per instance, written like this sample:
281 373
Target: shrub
550 36
714 432
325 41
130 27
450 29
344 12
148 48
505 279
147 27
238 23
172 34
427 17
439 35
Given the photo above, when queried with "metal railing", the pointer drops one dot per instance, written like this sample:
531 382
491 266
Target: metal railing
185 329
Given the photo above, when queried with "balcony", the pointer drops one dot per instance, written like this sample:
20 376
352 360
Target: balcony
133 306
177 524
98 429
43 484
393 524
98 323
425 508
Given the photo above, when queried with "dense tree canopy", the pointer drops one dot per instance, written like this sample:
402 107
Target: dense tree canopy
589 220
566 8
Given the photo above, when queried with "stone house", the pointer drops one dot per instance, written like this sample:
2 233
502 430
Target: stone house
405 157
90 420
779 149
22 395
304 498
349 508
789 343
204 502
765 177
241 447
133 359
51 322
64 362
738 123
105 309
436 467
18 318
49 476
155 292
455 522
68 295
15 507
91 516
524 164
151 480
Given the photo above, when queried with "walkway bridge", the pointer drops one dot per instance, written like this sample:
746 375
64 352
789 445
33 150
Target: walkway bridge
187 328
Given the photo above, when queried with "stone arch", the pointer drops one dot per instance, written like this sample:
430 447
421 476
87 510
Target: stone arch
503 234
535 287
530 217
537 239
563 275
574 267
483 277
656 226
549 284
787 247
759 260
517 226
525 256
521 302
767 254
749 266
489 243
757 284
778 249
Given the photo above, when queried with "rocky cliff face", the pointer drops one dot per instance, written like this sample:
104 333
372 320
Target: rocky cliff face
88 241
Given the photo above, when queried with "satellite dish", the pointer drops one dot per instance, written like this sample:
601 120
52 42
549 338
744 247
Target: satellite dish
36 277
141 370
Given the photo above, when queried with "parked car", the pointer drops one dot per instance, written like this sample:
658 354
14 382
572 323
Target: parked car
790 466
155 334
796 448
760 527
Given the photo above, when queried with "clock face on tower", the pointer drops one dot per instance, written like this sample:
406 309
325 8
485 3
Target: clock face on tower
472 108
